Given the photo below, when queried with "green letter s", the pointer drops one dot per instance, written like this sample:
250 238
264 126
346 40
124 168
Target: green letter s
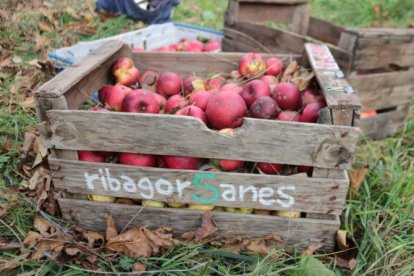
196 183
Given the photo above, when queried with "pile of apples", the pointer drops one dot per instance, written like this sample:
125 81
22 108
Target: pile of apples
220 101
186 45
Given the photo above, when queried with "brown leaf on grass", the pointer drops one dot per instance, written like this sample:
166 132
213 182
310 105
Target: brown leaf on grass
356 177
139 267
290 70
341 239
41 153
234 245
25 151
46 26
55 245
343 263
31 239
92 237
141 242
188 235
6 245
258 247
3 209
72 251
310 250
111 231
44 226
28 102
207 227
42 42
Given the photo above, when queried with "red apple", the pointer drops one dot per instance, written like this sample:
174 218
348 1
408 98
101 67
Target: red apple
175 103
226 110
168 84
193 111
289 116
252 65
98 108
287 96
90 156
274 66
148 80
270 168
367 114
215 82
137 159
309 96
137 49
231 86
212 46
102 93
264 108
192 84
305 169
161 101
125 72
141 101
115 96
310 113
200 99
164 49
270 80
194 46
181 162
229 165
253 90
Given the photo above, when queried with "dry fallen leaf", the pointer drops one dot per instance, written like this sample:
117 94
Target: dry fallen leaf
311 249
28 102
31 239
92 237
258 247
43 226
141 242
290 70
111 231
42 42
341 239
55 244
356 177
302 78
46 26
207 227
139 267
72 251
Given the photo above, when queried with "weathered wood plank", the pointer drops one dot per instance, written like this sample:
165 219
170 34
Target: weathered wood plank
80 75
306 194
202 64
384 90
324 30
235 41
92 216
337 91
256 140
385 124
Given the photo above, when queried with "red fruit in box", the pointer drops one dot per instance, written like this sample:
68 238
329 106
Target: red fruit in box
125 72
193 111
287 96
200 99
137 49
192 84
141 101
289 116
115 96
168 84
90 156
98 108
253 90
274 66
161 101
148 80
270 168
215 82
175 103
230 165
264 108
212 46
309 96
305 169
226 110
181 162
270 80
252 65
194 46
231 86
137 159
310 113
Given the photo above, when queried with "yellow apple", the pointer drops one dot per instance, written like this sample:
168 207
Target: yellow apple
175 205
201 207
288 214
262 212
244 210
230 209
152 203
102 198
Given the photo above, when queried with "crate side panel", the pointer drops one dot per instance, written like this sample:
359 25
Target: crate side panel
385 124
384 90
92 216
258 191
256 140
324 30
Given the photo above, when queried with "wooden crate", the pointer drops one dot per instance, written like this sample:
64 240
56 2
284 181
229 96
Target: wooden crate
327 146
379 63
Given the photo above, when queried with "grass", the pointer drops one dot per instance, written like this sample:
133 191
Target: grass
380 218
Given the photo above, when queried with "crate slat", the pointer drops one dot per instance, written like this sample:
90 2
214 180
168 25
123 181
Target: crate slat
384 90
301 231
256 140
324 30
305 194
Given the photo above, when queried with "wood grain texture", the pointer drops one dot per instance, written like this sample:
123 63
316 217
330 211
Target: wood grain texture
74 76
385 124
315 195
324 30
384 90
201 64
91 216
236 41
300 19
256 140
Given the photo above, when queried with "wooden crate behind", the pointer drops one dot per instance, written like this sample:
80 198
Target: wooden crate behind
379 63
327 146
